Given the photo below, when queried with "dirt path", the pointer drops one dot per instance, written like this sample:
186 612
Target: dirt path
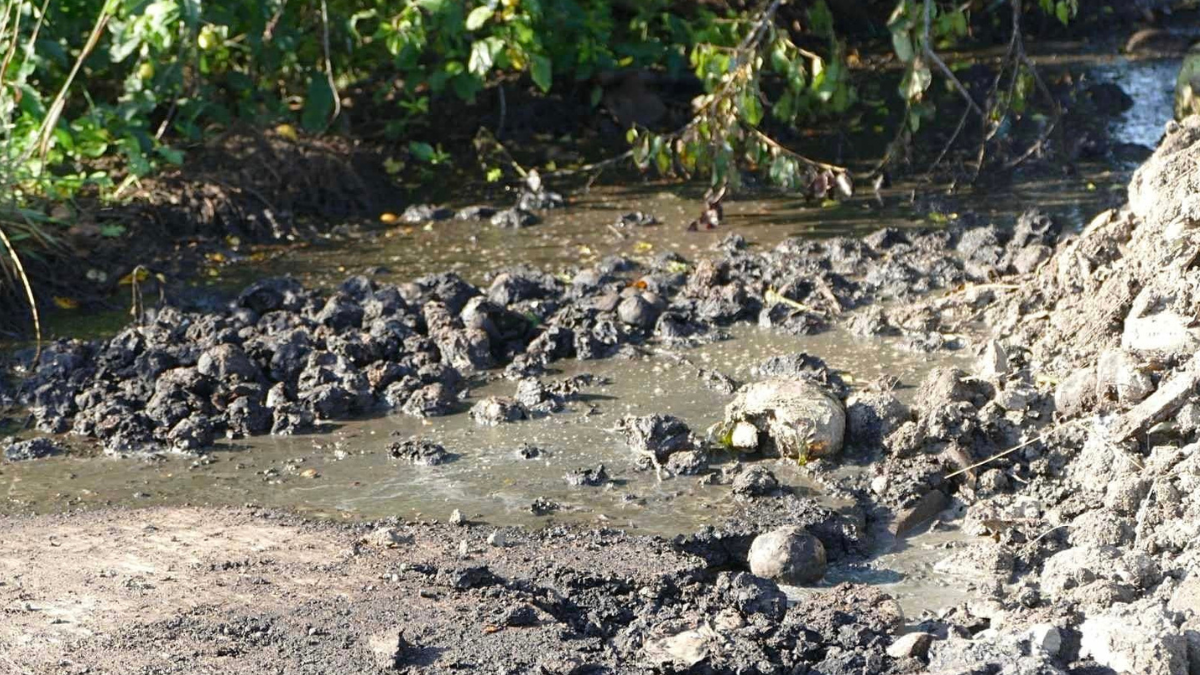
235 591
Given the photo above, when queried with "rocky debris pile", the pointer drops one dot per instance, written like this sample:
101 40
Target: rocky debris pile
1085 412
34 448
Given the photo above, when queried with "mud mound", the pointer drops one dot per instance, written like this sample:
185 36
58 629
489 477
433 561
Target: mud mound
1087 519
263 186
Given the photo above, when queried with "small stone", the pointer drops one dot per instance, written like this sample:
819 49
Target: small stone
543 507
464 548
1046 638
389 650
497 539
744 436
993 362
910 645
457 518
521 615
755 482
789 555
386 537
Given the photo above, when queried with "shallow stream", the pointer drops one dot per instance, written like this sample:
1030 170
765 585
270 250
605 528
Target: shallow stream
347 471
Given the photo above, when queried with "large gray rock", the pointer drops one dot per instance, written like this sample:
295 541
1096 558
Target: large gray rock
788 555
796 418
1135 639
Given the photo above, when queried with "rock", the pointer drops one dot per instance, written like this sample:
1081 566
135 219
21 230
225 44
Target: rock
269 295
1076 394
910 645
390 650
872 417
687 463
228 363
457 518
978 561
1165 332
789 555
755 481
543 507
744 436
1108 98
1134 639
521 615
497 539
656 435
495 410
34 448
992 364
1046 638
386 537
928 506
1097 575
636 310
588 477
514 218
420 451
800 365
799 417
416 214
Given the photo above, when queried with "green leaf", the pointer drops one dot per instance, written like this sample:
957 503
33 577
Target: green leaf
479 16
481 59
750 107
1063 11
494 174
420 151
318 104
541 69
112 230
903 45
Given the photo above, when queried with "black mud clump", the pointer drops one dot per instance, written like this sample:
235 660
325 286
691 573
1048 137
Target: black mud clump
420 451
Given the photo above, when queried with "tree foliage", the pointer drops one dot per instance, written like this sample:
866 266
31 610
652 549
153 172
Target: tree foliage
97 91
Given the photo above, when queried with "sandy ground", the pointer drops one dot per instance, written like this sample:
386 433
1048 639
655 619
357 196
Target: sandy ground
184 590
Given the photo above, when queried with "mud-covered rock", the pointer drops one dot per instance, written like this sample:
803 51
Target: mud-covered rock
588 477
656 435
789 555
797 418
755 481
873 416
420 451
495 410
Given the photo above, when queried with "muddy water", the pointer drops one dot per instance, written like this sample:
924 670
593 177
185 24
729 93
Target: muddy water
347 472
490 481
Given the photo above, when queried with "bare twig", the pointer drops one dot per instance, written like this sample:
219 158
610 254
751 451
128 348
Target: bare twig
932 56
1005 453
54 111
337 98
33 309
503 111
269 30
